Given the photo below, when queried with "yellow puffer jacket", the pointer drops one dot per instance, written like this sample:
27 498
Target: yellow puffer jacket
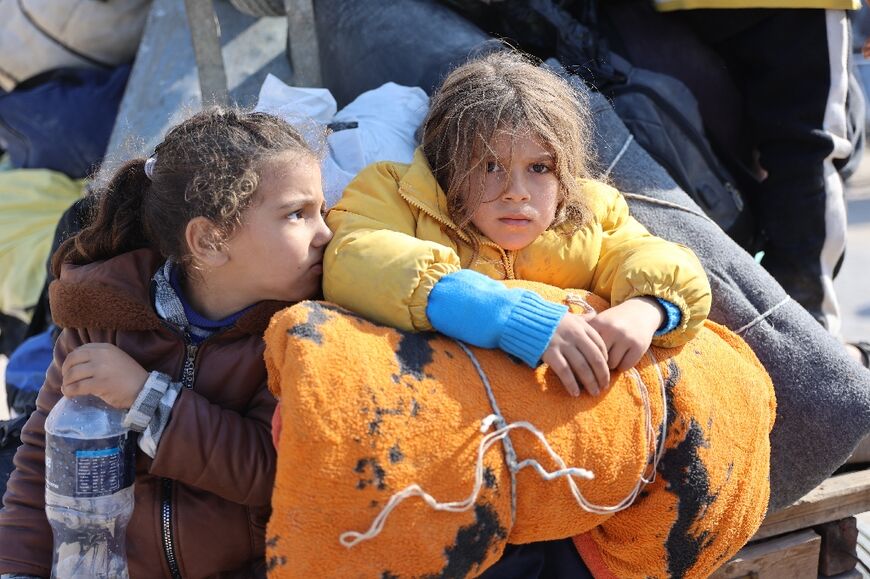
668 5
390 248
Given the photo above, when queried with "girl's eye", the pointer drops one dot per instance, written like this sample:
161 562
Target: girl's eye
540 168
295 216
491 167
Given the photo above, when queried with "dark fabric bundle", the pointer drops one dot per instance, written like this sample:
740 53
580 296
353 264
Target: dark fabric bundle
62 120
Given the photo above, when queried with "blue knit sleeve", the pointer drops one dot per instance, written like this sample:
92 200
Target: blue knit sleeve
673 317
471 307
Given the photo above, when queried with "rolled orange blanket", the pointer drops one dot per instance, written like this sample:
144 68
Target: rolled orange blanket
367 412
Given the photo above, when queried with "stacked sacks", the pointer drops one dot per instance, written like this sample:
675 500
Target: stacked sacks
368 411
41 35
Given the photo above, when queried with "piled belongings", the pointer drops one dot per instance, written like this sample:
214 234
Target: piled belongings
62 119
823 396
386 465
379 125
41 35
25 371
31 203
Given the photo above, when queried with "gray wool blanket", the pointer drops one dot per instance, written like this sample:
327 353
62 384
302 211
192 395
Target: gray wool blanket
823 397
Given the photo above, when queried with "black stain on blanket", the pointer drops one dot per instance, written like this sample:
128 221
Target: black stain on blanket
489 478
472 544
275 560
414 353
688 479
388 575
370 466
375 424
396 454
671 381
310 329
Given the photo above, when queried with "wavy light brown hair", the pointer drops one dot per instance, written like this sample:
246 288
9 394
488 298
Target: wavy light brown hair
206 166
506 92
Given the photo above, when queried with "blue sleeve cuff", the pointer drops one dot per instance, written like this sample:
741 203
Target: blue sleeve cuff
673 317
471 307
530 327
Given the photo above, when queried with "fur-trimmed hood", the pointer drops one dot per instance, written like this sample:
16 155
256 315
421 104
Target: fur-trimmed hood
116 295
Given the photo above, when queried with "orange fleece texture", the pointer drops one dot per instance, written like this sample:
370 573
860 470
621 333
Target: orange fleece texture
367 410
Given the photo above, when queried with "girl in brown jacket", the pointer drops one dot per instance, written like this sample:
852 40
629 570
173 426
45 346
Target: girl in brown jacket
165 296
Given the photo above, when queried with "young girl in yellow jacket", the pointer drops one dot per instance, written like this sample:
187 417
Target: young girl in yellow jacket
499 190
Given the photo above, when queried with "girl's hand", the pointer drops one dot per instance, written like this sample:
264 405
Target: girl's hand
578 355
104 371
627 330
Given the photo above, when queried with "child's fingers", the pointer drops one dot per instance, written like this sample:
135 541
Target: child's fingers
563 371
85 387
74 358
616 355
79 372
632 356
583 371
596 362
78 388
598 340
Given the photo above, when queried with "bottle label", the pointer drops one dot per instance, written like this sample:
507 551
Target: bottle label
87 468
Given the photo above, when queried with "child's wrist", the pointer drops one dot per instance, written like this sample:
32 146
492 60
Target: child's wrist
650 307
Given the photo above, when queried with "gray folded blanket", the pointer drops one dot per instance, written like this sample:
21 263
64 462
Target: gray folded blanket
823 396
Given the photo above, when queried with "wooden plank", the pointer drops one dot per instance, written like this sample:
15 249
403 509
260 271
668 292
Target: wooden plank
864 542
793 556
164 86
839 546
862 452
302 43
205 37
838 497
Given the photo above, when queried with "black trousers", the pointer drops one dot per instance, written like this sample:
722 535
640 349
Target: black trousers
791 66
542 560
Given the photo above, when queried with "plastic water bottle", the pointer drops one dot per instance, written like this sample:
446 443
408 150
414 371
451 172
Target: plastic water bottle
89 474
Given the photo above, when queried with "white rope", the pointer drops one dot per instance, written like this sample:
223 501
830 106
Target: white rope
619 155
761 316
510 454
670 204
577 300
352 538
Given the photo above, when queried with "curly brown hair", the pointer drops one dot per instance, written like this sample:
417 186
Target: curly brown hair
505 91
206 166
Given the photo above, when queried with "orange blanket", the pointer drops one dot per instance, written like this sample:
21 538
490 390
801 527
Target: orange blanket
367 411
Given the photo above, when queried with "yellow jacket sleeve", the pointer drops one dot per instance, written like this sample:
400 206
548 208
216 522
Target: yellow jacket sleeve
374 265
633 263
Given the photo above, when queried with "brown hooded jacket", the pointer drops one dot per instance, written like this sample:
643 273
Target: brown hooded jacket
203 501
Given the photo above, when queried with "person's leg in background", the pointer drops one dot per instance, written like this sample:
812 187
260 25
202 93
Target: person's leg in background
792 66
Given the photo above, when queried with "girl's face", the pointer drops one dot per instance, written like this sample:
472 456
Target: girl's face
521 191
277 252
